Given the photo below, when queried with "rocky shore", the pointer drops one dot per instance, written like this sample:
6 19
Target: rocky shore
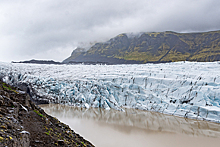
24 124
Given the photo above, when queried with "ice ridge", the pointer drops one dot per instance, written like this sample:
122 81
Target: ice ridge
186 89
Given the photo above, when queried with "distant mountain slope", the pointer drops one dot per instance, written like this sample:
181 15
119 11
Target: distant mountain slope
153 48
77 52
39 62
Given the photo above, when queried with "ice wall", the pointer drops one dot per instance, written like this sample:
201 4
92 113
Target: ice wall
186 89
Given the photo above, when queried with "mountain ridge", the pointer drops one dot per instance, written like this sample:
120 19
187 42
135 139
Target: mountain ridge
152 47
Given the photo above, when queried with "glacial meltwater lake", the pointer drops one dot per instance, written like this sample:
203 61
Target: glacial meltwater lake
136 128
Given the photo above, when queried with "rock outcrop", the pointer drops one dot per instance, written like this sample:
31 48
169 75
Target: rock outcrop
23 124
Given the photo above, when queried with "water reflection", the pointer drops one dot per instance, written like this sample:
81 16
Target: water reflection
149 122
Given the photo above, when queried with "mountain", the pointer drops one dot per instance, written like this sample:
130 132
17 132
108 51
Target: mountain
154 47
76 53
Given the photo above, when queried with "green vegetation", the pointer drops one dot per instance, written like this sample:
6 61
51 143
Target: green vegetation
38 113
83 143
48 133
157 47
6 87
1 139
3 127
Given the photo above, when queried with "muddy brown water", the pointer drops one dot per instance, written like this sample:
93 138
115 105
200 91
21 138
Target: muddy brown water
111 128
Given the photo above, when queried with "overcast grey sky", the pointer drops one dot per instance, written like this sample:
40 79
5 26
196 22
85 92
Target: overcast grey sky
51 29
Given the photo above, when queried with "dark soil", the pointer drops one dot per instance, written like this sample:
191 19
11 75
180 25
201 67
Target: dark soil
23 124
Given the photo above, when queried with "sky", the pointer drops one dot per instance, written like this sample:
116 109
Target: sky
52 29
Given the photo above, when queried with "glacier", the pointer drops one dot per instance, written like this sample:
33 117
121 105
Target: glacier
185 89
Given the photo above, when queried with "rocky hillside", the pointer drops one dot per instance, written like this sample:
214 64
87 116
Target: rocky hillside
23 124
152 48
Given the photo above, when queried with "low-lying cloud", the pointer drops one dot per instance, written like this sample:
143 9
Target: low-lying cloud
51 29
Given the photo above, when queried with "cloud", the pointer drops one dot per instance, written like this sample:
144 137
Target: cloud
51 29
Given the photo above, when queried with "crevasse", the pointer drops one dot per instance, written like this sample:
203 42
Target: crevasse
186 89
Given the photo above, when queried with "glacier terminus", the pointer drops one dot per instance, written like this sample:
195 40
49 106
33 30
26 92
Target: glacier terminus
185 89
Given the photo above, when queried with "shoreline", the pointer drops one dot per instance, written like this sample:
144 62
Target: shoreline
24 124
152 121
135 127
